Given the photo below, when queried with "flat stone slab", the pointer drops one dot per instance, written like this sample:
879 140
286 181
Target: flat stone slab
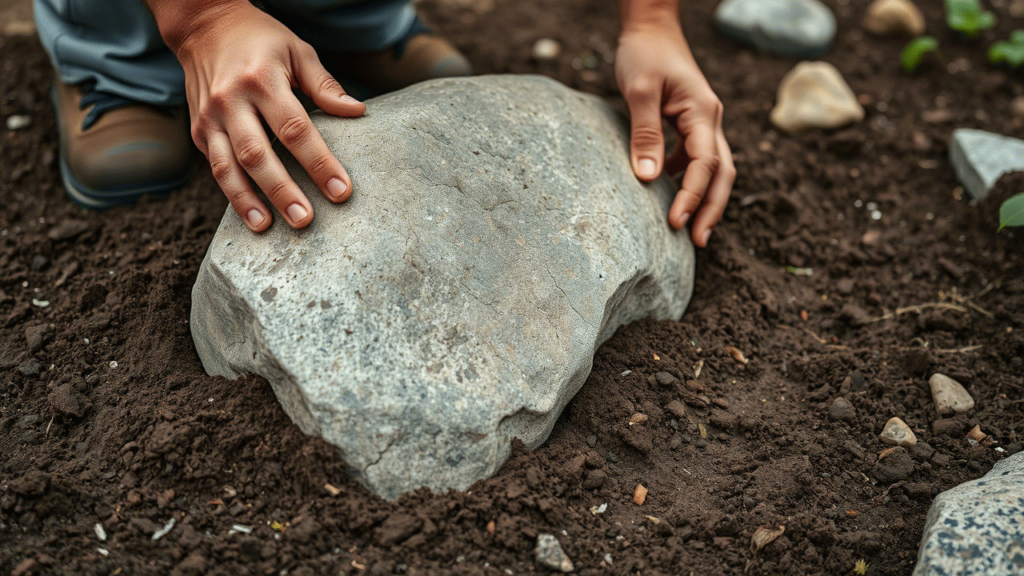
980 158
496 237
803 28
977 528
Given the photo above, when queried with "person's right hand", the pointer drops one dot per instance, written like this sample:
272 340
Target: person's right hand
240 67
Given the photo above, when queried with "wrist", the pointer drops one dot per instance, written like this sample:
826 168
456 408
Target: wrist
180 20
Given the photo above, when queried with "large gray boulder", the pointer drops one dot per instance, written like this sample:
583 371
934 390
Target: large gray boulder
496 237
977 528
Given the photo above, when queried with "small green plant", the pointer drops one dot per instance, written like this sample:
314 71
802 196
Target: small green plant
967 17
1009 52
1011 213
914 52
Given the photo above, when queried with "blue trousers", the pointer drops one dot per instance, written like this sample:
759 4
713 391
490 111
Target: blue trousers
116 43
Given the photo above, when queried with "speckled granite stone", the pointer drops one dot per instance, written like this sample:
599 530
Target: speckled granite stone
496 237
977 528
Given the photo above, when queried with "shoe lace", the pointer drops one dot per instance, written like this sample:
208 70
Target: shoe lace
418 27
103 102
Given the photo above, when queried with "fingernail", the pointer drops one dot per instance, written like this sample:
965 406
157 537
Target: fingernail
297 212
349 100
336 188
683 219
705 237
255 218
647 167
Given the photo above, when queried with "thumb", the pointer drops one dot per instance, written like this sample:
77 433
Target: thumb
647 142
325 91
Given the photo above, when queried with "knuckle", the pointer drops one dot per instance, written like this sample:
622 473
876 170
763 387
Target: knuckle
236 195
328 84
320 166
641 87
221 168
294 130
250 154
646 136
278 192
220 99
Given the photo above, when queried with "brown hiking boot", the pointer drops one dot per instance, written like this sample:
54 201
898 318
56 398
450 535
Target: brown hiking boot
114 150
420 55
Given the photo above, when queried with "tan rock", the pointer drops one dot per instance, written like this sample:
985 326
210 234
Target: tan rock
897 433
885 17
815 95
950 396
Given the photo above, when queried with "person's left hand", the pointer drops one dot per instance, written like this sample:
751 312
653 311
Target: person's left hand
659 78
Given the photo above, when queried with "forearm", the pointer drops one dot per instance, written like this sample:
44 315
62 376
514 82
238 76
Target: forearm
640 14
177 19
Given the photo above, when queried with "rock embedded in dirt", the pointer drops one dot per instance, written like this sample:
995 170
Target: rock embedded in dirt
37 336
885 17
842 410
980 158
549 554
950 396
67 402
897 433
67 230
392 332
815 95
30 368
893 466
976 527
803 28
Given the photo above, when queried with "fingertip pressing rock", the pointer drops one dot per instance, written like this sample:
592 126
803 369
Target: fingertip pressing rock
976 528
803 28
950 396
455 303
980 158
549 554
841 409
886 17
815 95
897 433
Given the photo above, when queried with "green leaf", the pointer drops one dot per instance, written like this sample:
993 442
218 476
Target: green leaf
1017 37
986 20
1011 52
1011 213
966 16
915 51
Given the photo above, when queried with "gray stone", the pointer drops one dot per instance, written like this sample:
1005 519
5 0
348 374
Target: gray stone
803 28
496 237
950 396
549 554
979 158
977 528
841 409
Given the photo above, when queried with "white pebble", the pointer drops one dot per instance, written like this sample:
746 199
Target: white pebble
626 373
113 363
546 49
18 121
100 532
163 531
876 215
40 303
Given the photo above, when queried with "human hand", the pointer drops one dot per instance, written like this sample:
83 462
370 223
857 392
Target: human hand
240 67
659 78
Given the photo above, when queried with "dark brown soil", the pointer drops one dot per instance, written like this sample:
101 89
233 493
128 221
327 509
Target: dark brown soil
107 417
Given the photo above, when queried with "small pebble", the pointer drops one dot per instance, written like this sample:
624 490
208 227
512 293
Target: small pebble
815 95
950 396
549 554
841 409
546 49
18 122
897 433
885 17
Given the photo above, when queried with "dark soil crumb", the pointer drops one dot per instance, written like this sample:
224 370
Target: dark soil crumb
109 427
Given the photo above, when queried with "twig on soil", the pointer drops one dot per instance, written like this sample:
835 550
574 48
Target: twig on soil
916 308
963 350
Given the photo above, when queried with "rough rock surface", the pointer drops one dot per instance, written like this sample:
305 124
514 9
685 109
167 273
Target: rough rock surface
977 528
897 433
886 17
979 158
496 237
950 396
549 554
815 95
803 28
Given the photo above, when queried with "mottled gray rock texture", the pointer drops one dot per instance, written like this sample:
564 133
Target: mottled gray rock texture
803 28
495 238
977 528
979 158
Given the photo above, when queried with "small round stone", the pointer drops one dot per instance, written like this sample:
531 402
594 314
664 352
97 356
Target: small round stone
897 433
546 49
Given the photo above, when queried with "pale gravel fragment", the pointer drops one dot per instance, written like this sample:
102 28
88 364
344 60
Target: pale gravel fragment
163 531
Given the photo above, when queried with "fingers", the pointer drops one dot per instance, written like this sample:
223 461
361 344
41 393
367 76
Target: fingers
317 83
254 154
296 131
702 149
235 184
717 197
647 142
